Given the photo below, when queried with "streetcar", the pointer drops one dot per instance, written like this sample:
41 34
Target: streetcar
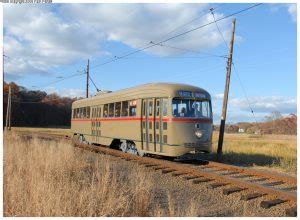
164 119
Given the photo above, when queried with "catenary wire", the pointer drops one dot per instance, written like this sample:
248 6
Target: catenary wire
189 22
239 79
173 37
173 30
192 51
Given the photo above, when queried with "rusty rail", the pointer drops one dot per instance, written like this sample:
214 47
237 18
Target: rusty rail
200 175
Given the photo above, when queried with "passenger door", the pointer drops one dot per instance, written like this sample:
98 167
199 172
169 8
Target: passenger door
96 124
157 127
151 125
144 125
148 124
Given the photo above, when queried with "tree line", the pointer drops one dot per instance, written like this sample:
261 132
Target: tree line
35 108
274 123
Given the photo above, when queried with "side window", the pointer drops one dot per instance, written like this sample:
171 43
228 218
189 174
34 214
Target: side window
99 112
144 108
132 108
84 112
111 110
77 113
88 112
73 113
150 108
165 107
125 108
118 109
80 113
105 111
157 108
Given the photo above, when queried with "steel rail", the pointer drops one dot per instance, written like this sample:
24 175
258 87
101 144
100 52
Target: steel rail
170 166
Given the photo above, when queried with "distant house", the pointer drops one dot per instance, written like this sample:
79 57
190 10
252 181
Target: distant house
257 132
241 130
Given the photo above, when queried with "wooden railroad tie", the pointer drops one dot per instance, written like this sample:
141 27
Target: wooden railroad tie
178 173
242 176
190 177
167 170
232 190
230 173
270 203
251 196
273 183
150 165
290 188
258 180
216 185
197 181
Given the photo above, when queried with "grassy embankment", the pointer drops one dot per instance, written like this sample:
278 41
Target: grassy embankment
50 178
260 151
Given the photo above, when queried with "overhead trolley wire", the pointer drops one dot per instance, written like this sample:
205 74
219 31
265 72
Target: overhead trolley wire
56 81
239 79
160 43
189 22
193 51
213 14
93 83
245 93
165 35
152 44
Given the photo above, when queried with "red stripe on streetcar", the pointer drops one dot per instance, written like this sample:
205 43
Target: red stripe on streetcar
187 120
201 120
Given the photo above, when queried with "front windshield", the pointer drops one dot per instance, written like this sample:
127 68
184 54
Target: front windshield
191 108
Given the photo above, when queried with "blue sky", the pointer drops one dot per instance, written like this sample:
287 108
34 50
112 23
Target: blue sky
46 42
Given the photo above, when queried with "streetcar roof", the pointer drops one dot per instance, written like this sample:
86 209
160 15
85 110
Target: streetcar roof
142 91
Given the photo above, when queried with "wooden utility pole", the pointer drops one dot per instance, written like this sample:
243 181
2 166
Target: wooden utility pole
87 78
225 99
8 110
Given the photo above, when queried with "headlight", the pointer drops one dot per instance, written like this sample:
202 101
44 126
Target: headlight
198 133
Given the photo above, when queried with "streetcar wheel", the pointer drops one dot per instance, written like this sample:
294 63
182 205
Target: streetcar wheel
131 148
123 147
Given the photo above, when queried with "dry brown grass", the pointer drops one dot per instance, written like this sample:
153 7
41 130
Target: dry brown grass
55 131
278 152
49 178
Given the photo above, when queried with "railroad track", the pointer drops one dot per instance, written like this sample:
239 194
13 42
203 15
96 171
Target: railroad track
254 184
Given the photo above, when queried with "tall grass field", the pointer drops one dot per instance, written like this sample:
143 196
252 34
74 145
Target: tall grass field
271 152
51 178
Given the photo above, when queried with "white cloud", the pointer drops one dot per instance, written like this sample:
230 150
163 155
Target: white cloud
137 25
292 9
37 39
239 111
218 96
266 104
66 92
40 38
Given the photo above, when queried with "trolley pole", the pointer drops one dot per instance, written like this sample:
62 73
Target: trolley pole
8 110
87 78
225 99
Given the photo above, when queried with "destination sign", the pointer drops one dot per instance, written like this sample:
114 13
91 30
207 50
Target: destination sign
190 94
185 93
199 95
